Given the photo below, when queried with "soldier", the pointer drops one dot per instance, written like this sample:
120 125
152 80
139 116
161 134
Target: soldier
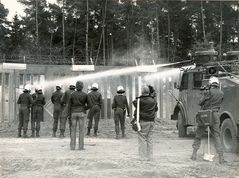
95 103
25 101
120 105
210 101
38 111
34 95
77 109
65 116
56 100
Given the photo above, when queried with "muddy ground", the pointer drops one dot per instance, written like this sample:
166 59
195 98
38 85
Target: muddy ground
106 157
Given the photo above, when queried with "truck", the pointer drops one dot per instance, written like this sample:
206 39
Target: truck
191 86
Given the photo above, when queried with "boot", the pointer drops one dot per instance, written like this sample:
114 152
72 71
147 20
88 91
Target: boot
221 159
19 133
33 133
62 134
88 132
24 134
54 134
117 136
37 133
194 155
95 132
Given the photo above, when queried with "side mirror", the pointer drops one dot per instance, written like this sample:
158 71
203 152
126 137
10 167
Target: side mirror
176 85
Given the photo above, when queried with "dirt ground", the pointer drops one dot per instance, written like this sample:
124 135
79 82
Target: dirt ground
106 157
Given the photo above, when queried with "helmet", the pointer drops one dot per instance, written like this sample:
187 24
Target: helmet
72 86
95 86
213 81
27 87
120 89
58 86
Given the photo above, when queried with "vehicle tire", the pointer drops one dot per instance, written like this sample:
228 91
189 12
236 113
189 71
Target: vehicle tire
182 129
229 136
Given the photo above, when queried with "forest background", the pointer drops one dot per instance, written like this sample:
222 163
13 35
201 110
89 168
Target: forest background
117 32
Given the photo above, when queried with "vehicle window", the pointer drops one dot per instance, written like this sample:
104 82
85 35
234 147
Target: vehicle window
197 80
184 82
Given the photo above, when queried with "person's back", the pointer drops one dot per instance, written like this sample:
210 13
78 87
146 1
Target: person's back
24 100
94 98
77 101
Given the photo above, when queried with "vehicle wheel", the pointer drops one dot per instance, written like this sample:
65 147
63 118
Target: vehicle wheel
228 136
182 129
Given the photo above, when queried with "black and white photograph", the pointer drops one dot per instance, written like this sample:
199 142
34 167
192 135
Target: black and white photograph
119 88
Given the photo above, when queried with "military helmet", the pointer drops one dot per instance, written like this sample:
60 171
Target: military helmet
27 87
145 90
120 89
95 86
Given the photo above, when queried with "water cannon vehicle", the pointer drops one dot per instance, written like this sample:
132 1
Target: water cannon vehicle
194 82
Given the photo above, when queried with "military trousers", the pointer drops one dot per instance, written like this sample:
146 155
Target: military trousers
94 113
215 131
145 140
77 118
64 119
24 113
119 119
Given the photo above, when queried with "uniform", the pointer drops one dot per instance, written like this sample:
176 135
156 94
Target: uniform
25 101
148 108
210 101
120 105
56 100
95 104
34 95
65 101
77 109
38 111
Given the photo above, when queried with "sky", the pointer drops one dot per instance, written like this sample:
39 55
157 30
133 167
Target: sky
15 7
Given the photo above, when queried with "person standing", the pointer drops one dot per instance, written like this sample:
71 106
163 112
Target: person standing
25 101
120 105
148 108
38 111
65 100
57 111
77 107
34 95
211 100
95 104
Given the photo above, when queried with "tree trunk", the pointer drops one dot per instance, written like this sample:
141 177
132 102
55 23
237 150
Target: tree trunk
86 34
203 25
63 30
37 34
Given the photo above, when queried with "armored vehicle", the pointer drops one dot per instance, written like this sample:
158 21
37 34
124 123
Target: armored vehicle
193 84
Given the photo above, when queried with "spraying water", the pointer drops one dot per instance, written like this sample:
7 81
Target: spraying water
107 73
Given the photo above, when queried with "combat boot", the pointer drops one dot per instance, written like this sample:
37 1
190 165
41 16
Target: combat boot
95 132
194 155
37 133
62 134
54 134
33 133
221 159
88 132
19 133
24 134
117 136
